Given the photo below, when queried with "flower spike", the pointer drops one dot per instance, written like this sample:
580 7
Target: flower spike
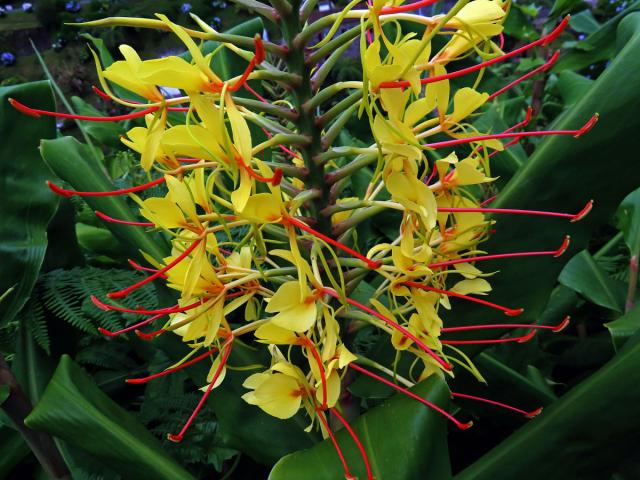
178 438
34 112
409 393
531 414
512 312
67 193
171 370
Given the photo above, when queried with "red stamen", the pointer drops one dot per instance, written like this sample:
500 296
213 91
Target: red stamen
171 370
373 264
137 266
541 41
323 376
147 337
322 418
479 138
555 253
407 8
573 216
34 112
143 311
522 339
257 59
107 218
501 36
458 423
543 67
498 404
223 361
554 328
395 325
274 180
512 312
109 333
126 291
106 96
504 147
67 193
356 440
488 200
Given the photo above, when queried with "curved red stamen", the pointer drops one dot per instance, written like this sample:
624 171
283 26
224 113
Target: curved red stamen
458 73
143 311
34 112
126 291
356 440
107 218
106 96
274 180
574 217
323 376
555 253
109 333
67 193
554 328
373 264
343 460
458 423
501 37
524 77
498 404
492 136
488 200
257 59
171 370
216 375
512 312
388 321
137 266
407 8
147 337
522 339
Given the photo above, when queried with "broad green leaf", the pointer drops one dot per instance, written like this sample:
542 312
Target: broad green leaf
403 439
586 277
584 22
624 327
572 87
562 7
585 434
562 175
75 410
106 133
27 204
12 450
71 161
628 217
4 393
600 45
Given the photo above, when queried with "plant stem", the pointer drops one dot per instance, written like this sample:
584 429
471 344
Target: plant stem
18 407
302 93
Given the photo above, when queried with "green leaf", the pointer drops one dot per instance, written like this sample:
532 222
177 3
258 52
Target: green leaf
586 277
27 205
573 87
4 393
562 7
584 22
584 435
562 175
74 409
624 327
106 133
12 450
403 439
628 220
600 45
72 162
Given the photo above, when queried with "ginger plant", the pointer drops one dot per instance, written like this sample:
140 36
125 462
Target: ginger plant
269 251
